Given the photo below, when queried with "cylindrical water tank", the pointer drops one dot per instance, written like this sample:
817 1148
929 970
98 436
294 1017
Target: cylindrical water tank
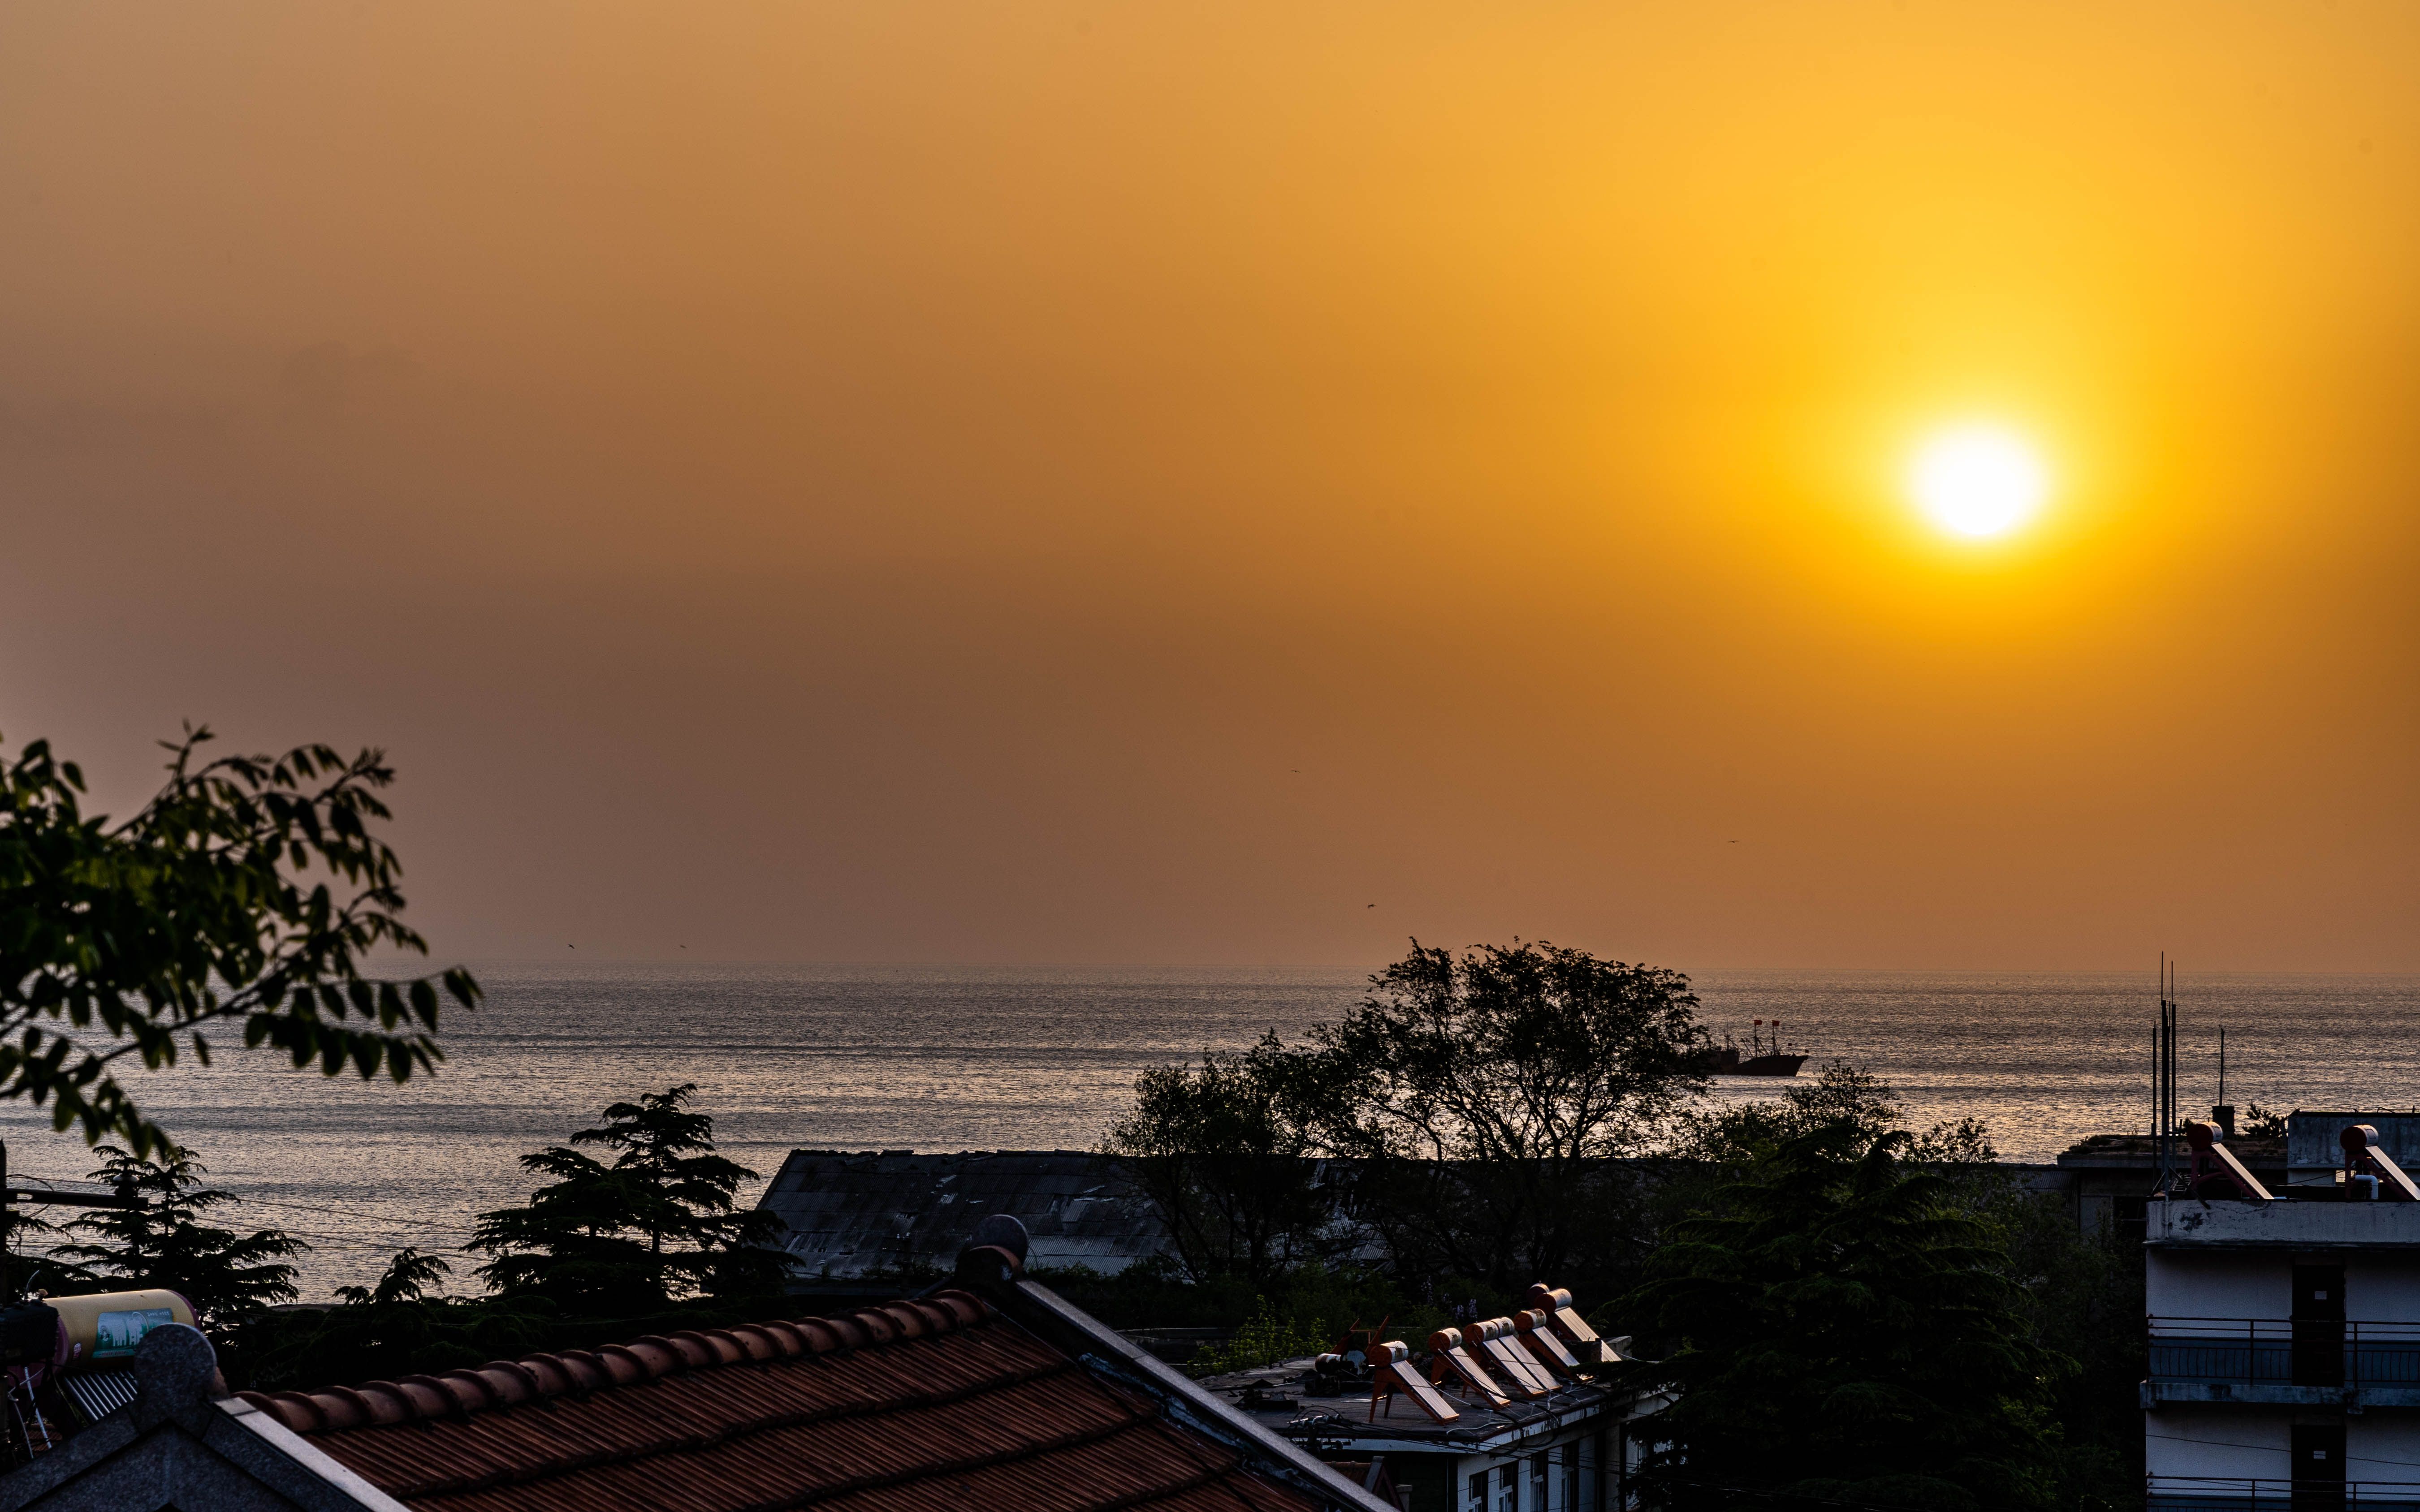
103 1328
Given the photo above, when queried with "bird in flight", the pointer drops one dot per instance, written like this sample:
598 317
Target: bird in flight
1374 905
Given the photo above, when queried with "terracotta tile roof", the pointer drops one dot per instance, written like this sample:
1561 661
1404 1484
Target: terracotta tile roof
942 1403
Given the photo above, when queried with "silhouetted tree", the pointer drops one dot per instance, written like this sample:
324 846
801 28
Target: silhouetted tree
1486 1096
657 1223
1843 1328
1841 1097
130 939
408 1277
1220 1148
2079 1296
2263 1123
397 1327
163 1240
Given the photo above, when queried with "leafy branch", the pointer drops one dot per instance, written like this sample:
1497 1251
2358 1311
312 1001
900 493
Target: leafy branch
200 912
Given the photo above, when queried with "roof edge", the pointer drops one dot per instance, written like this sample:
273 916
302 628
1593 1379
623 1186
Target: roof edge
501 1384
1104 1353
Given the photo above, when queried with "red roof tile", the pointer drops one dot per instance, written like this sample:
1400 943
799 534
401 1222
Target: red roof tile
936 1404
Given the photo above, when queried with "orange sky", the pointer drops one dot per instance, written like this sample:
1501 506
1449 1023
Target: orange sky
1108 483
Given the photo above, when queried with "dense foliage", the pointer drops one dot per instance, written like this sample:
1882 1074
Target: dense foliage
400 1326
656 1224
1485 1096
1855 1312
1847 1331
1220 1147
2069 1303
1707 1141
164 1238
130 939
1472 1110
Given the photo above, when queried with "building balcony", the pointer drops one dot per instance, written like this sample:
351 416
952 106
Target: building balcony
2212 1493
2276 1362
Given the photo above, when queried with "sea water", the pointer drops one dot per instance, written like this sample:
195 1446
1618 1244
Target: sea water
1026 1058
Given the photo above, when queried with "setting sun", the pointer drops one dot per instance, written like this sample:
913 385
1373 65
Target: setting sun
1977 479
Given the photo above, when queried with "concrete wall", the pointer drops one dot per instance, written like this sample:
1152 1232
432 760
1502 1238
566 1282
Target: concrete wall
2383 1288
2186 1283
2247 1442
2382 1447
2185 1221
2253 1443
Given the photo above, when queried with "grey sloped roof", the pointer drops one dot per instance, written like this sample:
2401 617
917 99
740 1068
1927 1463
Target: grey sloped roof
847 1213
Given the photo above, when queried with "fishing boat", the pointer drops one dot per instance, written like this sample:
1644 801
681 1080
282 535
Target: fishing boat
1762 1057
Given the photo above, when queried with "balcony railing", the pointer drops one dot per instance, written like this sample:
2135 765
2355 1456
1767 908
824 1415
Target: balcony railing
2263 1351
2214 1493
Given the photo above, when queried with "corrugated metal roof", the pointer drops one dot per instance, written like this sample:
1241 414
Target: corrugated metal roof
937 1405
846 1214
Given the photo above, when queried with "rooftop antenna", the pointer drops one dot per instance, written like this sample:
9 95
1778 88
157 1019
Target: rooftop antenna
2163 1083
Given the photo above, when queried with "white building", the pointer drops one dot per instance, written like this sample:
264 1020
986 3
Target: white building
2284 1339
1499 1432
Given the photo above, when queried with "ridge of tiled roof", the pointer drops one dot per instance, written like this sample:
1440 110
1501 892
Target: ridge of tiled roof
936 1404
500 1384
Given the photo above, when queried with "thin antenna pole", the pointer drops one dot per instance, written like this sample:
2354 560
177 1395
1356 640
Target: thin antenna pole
2163 1081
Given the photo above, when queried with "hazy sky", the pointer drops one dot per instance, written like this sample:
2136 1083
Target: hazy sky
1087 482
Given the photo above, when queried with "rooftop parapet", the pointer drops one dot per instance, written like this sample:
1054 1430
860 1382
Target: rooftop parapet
2192 1222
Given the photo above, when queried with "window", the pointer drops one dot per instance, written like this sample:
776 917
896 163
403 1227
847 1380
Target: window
1571 1502
1538 1481
1479 1492
1508 1487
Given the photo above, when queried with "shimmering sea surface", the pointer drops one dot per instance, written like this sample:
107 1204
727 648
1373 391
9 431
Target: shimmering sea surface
948 1058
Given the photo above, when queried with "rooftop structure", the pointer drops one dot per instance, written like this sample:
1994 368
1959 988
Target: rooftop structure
2108 1178
1533 1418
848 1215
2314 1150
181 1441
2284 1327
992 1392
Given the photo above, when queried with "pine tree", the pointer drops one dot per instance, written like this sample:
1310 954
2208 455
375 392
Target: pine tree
160 1240
657 1224
1842 1329
408 1277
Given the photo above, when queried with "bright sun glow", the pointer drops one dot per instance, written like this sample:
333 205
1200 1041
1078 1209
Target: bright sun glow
1977 479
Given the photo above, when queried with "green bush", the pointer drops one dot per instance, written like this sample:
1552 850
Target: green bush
1265 1338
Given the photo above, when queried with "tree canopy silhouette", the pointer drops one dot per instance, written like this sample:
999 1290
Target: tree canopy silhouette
1221 1148
1485 1096
657 1223
164 1238
1472 1109
1842 1328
